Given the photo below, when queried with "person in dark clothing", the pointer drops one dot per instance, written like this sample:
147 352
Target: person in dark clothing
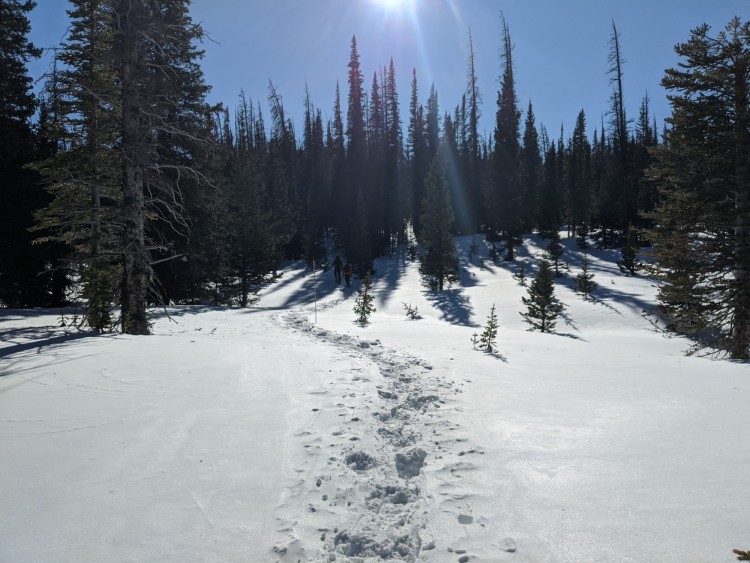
337 263
348 273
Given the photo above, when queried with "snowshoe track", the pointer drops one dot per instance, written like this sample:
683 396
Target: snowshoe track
372 493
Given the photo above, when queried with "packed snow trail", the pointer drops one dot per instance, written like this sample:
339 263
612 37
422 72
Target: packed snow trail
365 484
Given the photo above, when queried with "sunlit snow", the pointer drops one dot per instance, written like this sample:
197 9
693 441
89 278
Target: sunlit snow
287 432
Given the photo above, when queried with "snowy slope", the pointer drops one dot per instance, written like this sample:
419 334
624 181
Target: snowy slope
287 432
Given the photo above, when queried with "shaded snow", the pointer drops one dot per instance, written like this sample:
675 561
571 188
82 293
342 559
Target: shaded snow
287 432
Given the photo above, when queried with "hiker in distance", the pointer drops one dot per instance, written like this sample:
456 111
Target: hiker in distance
348 273
337 263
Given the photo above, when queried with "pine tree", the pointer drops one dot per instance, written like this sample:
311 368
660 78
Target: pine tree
585 283
471 151
394 201
578 178
617 202
531 171
22 279
356 159
488 338
416 154
702 234
505 196
85 180
363 303
440 262
548 220
156 62
628 263
543 308
555 250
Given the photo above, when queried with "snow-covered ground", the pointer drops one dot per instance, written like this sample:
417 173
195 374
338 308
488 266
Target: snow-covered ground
287 432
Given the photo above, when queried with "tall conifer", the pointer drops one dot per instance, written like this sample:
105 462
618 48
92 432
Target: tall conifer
702 234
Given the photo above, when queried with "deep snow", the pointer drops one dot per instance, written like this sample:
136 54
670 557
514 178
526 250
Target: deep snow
287 432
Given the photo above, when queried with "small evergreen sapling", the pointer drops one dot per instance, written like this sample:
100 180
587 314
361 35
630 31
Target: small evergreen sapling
363 306
520 275
585 283
411 311
542 305
487 340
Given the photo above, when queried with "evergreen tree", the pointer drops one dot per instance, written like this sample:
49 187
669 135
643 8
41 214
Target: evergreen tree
585 283
471 150
156 61
505 196
543 308
85 180
416 153
432 124
618 196
531 172
555 251
395 202
628 263
645 141
702 234
488 338
337 151
548 220
356 158
363 303
440 262
24 269
578 177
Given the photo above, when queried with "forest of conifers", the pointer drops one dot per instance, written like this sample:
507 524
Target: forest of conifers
121 187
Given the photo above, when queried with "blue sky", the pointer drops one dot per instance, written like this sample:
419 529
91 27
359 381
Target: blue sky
560 49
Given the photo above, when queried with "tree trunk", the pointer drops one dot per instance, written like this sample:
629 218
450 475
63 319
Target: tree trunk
740 344
740 339
136 261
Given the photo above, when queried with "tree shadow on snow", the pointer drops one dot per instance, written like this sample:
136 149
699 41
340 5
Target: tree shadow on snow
390 272
46 340
454 306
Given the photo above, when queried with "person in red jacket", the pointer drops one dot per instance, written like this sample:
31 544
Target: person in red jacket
348 273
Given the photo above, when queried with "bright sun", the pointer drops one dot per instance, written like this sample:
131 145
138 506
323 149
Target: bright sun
394 5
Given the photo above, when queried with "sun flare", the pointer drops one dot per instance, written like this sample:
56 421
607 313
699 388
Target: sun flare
394 6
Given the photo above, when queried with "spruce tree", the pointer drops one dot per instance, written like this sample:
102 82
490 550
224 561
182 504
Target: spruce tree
503 212
157 67
702 235
488 338
439 264
22 279
548 208
85 179
363 303
472 149
416 154
543 308
531 172
555 250
628 263
578 178
585 283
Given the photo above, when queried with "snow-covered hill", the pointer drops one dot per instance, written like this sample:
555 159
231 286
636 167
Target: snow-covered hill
287 432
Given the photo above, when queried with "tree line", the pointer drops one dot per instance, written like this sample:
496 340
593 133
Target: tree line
119 169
